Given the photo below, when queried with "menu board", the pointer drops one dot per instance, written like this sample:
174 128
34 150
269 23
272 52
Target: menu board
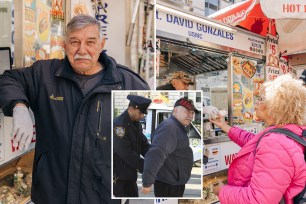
248 77
57 30
43 30
29 32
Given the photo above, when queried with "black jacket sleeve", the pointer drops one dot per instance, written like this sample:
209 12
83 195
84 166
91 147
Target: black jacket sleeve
17 85
145 145
164 143
123 148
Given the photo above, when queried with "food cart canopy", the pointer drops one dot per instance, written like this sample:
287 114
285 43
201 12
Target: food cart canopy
249 15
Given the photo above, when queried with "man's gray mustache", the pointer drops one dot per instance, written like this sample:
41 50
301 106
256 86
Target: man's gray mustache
82 57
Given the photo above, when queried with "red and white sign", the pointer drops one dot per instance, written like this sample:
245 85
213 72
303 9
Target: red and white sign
228 153
284 9
235 13
255 17
272 58
272 73
272 51
283 65
7 151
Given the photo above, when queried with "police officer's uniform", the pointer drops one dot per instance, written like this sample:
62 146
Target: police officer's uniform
129 143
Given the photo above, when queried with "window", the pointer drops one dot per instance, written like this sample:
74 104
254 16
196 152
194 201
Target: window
161 116
211 6
198 97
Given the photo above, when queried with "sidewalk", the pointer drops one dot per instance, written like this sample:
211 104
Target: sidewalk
192 190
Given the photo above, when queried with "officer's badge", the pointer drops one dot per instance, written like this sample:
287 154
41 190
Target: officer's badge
120 131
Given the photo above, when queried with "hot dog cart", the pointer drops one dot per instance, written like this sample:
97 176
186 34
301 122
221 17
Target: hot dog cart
227 64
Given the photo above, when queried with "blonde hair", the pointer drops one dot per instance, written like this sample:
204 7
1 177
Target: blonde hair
285 98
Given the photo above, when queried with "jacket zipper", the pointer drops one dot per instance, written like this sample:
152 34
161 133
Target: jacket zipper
82 152
99 109
77 121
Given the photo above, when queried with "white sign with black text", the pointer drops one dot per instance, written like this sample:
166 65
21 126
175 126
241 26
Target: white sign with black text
189 28
220 156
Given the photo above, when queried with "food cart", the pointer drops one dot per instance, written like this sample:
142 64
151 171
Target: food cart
227 64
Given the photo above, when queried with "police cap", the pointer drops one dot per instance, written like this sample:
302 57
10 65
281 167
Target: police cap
139 102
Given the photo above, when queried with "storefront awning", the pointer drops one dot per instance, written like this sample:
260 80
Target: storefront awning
249 15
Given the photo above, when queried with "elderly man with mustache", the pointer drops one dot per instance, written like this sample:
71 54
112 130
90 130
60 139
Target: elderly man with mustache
71 101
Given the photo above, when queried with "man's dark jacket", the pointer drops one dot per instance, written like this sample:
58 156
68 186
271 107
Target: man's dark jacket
72 162
128 148
170 157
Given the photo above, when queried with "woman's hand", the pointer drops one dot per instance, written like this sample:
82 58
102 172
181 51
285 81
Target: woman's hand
211 111
218 187
221 123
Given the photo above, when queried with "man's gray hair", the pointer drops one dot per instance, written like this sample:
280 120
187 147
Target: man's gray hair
81 21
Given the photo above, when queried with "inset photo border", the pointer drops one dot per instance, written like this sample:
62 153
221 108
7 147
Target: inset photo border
157 139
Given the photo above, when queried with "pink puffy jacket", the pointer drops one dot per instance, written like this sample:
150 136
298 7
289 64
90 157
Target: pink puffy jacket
277 168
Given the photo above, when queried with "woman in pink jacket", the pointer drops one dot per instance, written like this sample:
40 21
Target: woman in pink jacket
275 169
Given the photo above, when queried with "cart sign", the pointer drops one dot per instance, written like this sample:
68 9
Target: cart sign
213 152
284 9
7 151
248 76
195 30
221 155
272 58
228 153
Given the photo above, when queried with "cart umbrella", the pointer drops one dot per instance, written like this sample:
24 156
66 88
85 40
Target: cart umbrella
249 15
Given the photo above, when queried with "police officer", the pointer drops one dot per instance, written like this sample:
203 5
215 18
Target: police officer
129 144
